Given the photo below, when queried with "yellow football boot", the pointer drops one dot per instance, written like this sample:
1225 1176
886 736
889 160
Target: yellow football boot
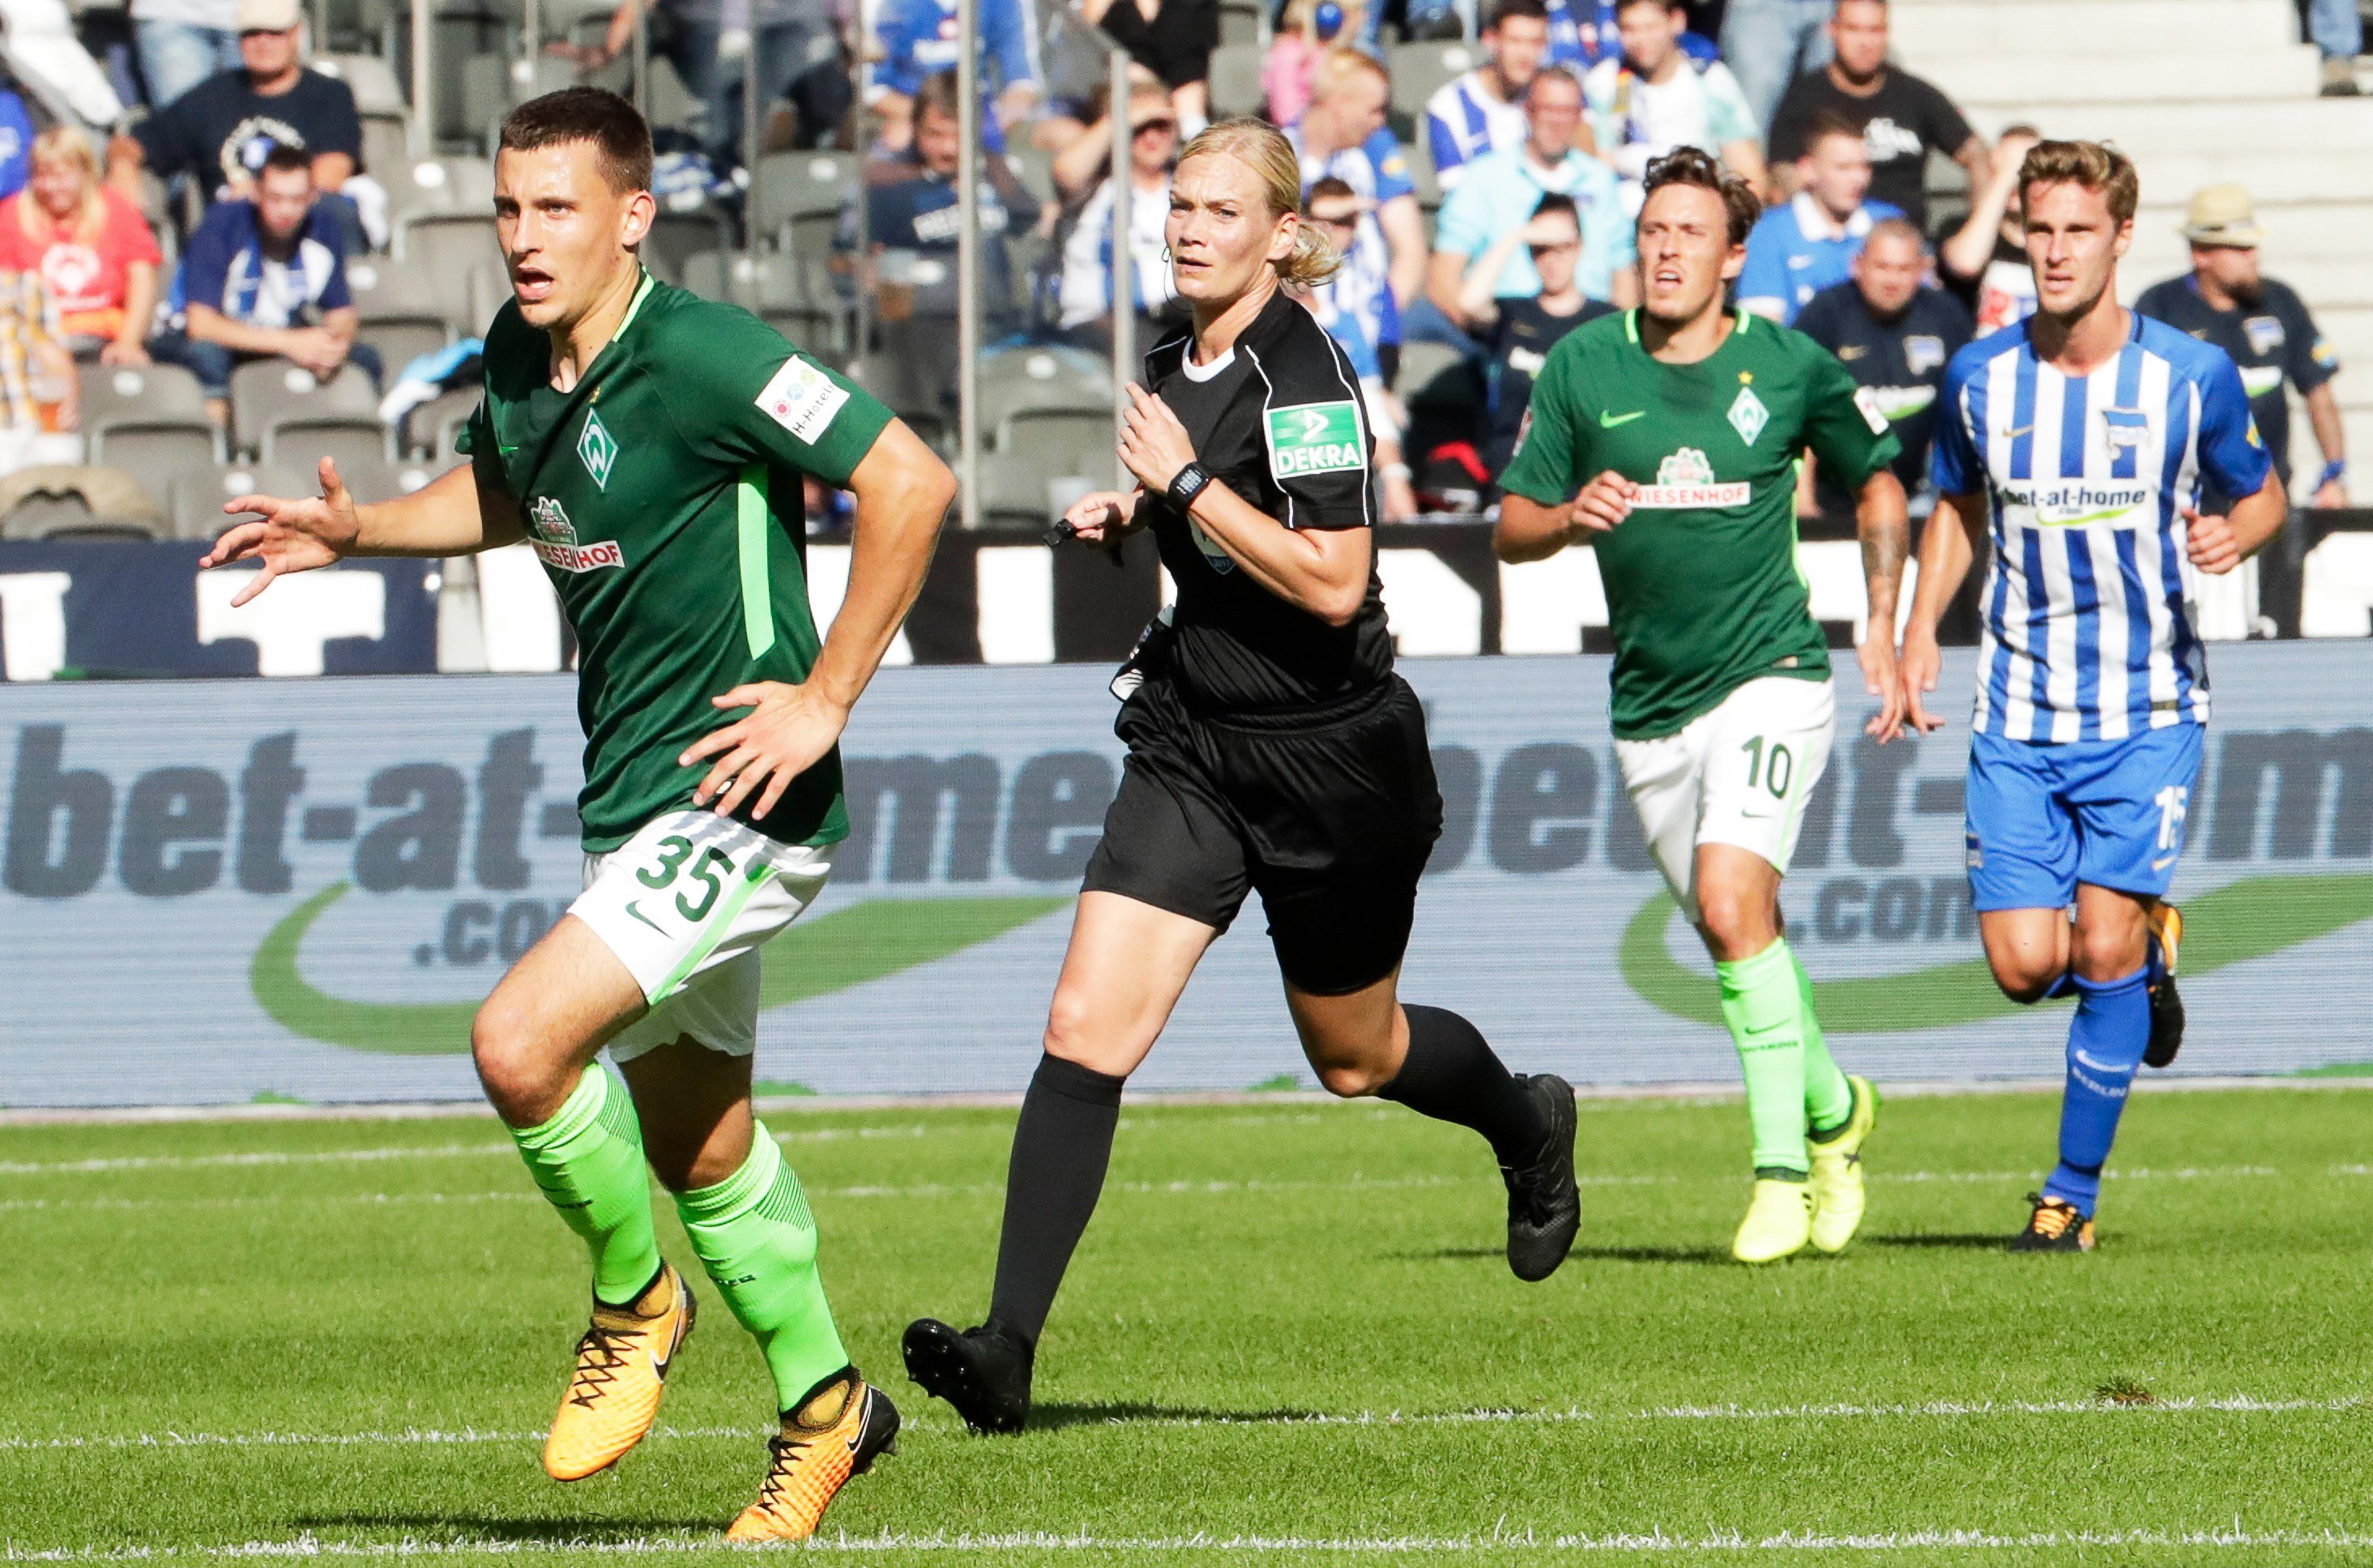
833 1436
621 1367
1837 1172
1779 1222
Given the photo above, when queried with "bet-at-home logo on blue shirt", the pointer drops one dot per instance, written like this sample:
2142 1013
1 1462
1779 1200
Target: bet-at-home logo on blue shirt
1314 438
596 450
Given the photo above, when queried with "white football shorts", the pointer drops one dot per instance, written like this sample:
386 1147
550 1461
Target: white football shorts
686 905
1738 774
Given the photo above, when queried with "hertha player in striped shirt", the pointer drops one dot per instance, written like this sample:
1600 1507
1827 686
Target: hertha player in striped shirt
2082 436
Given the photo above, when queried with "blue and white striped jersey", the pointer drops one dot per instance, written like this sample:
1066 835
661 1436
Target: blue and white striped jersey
2087 636
1464 122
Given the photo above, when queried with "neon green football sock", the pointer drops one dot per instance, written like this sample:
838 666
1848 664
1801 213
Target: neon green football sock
755 1237
1829 1099
1761 1004
588 1161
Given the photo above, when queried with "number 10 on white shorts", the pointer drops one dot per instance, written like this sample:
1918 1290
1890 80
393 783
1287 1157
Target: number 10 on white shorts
686 905
1738 774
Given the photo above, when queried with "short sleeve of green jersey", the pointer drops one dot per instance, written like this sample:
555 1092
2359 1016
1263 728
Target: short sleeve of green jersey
740 393
1843 424
1549 460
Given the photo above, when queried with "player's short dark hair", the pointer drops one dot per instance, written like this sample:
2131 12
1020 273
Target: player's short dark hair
2096 166
286 158
1331 188
1536 9
622 141
1695 165
1624 5
1823 123
1558 201
938 92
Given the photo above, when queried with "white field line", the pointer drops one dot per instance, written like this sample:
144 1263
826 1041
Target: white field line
363 1156
1936 1409
1140 1189
1497 1541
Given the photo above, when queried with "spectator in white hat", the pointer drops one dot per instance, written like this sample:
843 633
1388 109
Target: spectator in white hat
2226 300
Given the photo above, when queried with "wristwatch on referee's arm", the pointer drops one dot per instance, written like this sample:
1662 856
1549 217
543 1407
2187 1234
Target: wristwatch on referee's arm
1186 485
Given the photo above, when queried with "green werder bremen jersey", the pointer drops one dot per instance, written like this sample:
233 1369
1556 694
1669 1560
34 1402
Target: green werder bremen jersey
663 496
1703 592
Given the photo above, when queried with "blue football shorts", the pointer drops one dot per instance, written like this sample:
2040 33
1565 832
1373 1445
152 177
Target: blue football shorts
2044 818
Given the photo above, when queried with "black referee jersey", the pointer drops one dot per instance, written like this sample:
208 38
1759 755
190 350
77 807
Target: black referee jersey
1278 420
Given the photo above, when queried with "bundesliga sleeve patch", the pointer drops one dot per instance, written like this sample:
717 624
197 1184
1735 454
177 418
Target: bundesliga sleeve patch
1314 438
802 399
1872 414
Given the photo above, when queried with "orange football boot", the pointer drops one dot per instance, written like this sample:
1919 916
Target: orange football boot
833 1436
621 1367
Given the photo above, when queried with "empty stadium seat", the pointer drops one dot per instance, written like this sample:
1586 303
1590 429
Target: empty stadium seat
417 187
354 439
1062 441
822 331
1013 380
791 185
1421 362
1235 82
459 258
431 427
401 341
1018 491
194 498
267 392
387 144
1240 22
758 281
810 236
675 238
1420 69
369 79
146 394
67 516
157 448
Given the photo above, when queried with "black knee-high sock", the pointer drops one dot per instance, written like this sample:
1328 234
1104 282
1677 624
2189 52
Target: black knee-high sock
1452 1074
1061 1149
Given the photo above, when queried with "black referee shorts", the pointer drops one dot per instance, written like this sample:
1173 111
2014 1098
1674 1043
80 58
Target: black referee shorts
1331 820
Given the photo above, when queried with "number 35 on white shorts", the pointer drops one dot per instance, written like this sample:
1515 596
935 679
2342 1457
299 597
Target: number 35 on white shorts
1738 774
686 905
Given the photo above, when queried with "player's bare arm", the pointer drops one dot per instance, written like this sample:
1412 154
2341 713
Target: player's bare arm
902 490
453 514
1947 545
2216 545
1882 521
1529 530
1323 571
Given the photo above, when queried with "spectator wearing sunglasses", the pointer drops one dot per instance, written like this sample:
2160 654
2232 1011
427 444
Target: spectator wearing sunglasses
1085 294
1501 191
1517 331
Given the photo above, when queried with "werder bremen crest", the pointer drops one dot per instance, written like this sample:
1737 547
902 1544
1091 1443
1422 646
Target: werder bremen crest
1748 415
596 451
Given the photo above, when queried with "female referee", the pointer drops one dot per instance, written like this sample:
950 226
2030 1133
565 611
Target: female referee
1270 748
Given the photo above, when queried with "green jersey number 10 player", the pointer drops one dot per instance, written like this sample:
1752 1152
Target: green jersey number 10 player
651 447
1667 439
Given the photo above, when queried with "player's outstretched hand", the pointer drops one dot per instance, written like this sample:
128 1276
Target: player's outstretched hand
2212 547
1916 674
786 731
1604 502
1102 516
1881 681
289 536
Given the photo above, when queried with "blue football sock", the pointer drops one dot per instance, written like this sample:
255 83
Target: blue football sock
2105 1046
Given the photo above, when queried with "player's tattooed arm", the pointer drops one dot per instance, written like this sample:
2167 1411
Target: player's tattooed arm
1880 520
1947 545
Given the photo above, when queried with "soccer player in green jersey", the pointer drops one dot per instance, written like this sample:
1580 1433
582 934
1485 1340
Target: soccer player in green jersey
1666 439
649 446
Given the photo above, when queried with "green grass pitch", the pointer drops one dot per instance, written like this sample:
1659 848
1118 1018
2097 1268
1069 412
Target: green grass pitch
1289 1337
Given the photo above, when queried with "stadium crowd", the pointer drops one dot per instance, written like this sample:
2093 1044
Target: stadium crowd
231 235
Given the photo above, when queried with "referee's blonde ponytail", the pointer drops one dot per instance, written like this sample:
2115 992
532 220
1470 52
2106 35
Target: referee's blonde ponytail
1260 147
